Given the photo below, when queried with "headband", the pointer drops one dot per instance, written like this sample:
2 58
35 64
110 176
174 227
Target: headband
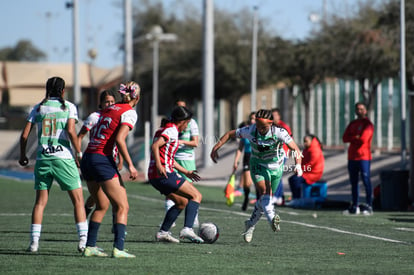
264 119
132 90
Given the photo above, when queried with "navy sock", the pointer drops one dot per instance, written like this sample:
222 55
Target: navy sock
170 218
190 213
92 233
119 232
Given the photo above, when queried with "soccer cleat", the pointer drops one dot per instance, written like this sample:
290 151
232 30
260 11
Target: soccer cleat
165 236
94 252
367 210
353 210
248 234
276 223
188 233
82 245
116 253
33 247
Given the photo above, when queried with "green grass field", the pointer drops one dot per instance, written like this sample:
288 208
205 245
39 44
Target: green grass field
310 241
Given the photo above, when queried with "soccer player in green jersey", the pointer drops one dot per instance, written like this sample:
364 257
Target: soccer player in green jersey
266 164
55 119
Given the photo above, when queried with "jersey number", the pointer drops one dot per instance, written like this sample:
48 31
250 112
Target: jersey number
103 125
49 127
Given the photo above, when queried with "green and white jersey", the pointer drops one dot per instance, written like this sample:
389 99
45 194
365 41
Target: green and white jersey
267 150
51 121
185 152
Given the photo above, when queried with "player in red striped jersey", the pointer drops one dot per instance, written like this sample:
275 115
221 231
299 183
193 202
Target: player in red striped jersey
162 176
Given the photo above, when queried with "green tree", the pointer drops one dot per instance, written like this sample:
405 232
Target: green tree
24 50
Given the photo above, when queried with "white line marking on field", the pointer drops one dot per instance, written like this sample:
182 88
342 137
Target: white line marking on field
293 222
404 229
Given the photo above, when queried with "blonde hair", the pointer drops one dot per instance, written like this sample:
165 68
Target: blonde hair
129 91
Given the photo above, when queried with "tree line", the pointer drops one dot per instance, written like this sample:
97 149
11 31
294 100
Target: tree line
364 45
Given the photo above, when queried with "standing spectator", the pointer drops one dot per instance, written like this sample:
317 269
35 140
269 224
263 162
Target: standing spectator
185 155
162 177
278 194
359 134
244 146
55 119
266 164
100 171
313 163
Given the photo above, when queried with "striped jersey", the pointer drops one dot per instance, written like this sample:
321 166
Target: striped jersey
51 121
103 139
167 152
267 150
185 152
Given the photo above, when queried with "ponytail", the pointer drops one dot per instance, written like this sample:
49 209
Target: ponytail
54 88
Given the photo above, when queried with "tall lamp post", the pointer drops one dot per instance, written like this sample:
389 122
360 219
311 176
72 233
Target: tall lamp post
156 36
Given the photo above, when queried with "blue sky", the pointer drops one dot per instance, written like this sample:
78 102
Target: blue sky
48 23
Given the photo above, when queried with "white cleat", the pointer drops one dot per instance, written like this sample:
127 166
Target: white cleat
33 247
165 236
276 223
188 233
248 234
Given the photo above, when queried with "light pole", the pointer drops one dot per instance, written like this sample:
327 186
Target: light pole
253 102
156 36
76 76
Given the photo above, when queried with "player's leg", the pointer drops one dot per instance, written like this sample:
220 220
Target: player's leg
43 183
194 197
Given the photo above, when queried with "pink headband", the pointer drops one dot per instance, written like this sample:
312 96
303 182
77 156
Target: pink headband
132 90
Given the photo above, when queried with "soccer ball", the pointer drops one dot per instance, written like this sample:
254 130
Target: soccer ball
209 232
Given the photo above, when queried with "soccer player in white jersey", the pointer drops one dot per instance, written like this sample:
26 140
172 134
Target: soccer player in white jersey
99 170
55 119
162 177
266 164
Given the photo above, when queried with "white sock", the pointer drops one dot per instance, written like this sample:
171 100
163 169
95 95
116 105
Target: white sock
268 207
257 213
82 229
168 204
35 231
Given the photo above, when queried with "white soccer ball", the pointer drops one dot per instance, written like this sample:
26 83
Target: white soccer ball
209 232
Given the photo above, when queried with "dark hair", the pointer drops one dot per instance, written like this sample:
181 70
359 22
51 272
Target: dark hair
276 110
54 88
180 113
311 136
361 103
104 94
264 113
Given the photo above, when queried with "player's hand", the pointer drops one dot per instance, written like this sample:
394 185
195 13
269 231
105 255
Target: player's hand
161 171
298 170
133 173
214 156
193 175
23 161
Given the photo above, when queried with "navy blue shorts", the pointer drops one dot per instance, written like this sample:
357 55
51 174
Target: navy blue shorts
97 167
168 185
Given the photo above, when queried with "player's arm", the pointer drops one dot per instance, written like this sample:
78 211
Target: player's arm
23 160
192 143
297 155
238 155
82 133
71 130
155 148
230 134
190 174
123 150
